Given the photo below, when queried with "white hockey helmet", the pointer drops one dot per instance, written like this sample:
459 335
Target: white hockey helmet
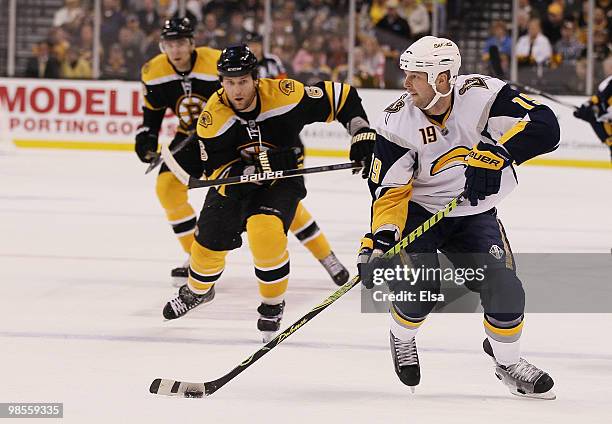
433 55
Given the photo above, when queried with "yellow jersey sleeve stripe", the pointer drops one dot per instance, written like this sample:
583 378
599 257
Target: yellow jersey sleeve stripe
392 208
329 91
344 92
516 128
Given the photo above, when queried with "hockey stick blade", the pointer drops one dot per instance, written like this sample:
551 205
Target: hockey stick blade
177 388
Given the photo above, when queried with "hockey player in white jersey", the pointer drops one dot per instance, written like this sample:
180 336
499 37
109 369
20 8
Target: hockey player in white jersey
448 135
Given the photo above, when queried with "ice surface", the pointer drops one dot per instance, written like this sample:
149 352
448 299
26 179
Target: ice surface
85 255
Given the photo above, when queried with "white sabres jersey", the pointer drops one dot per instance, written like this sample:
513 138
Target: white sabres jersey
434 154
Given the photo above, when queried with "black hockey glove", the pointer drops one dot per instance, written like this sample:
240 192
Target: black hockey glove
484 170
277 159
370 252
587 112
146 144
362 147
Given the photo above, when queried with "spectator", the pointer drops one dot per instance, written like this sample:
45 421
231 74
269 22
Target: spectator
377 11
370 67
70 16
523 22
417 16
601 45
270 66
534 47
74 66
551 26
85 42
209 33
498 59
568 49
337 54
136 34
151 47
59 40
131 53
393 24
44 64
310 56
148 17
112 21
235 31
114 66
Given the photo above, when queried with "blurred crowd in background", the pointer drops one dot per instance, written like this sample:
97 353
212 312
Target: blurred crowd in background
311 36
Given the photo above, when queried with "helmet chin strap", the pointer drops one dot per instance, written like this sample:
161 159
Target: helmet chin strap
437 96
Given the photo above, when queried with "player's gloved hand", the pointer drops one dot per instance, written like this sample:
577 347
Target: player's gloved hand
370 252
277 159
362 147
586 112
146 144
484 171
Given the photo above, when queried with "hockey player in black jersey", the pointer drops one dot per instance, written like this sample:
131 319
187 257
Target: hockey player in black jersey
182 78
251 125
597 111
448 135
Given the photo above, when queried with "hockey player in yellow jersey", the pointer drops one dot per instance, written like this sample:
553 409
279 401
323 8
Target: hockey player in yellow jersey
448 135
183 78
253 125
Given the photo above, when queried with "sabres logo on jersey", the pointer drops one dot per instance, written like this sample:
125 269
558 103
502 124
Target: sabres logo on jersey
395 107
454 157
188 108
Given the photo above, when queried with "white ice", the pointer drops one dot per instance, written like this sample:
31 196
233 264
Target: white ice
85 255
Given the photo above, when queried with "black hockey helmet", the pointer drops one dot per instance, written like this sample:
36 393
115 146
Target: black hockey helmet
236 61
177 28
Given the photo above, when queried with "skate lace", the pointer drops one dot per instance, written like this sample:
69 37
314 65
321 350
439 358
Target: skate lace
406 352
332 264
178 305
525 371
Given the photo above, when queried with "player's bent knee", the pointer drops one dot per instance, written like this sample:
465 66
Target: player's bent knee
267 238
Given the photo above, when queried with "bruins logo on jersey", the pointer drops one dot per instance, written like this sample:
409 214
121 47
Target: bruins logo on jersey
188 108
205 119
286 86
472 82
454 157
313 92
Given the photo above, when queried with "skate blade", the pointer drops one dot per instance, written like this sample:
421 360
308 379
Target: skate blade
549 395
412 389
267 336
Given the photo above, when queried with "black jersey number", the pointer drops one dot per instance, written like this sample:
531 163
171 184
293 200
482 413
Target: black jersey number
429 134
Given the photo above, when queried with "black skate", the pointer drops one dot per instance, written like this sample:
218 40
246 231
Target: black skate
406 361
523 379
335 269
179 274
269 320
186 301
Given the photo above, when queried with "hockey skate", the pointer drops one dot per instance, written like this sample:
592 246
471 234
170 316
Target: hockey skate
406 361
179 274
185 301
335 269
269 320
523 379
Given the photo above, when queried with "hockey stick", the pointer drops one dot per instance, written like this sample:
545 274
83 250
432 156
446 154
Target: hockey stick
541 93
168 387
157 160
191 182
